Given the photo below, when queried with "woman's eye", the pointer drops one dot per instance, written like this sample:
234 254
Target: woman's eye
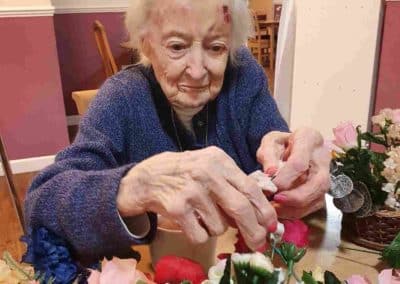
217 48
177 47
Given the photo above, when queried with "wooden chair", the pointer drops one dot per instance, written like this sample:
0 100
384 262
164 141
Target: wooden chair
260 44
10 184
109 65
82 99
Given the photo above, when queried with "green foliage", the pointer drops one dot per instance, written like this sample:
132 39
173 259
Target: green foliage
330 278
289 252
226 278
391 254
308 278
364 165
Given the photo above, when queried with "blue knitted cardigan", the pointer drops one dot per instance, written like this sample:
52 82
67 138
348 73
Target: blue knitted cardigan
76 196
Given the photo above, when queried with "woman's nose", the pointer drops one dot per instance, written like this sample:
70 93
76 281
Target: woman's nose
196 66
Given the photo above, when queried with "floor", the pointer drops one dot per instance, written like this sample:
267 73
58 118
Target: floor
10 229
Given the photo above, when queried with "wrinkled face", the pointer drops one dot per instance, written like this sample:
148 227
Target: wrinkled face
188 43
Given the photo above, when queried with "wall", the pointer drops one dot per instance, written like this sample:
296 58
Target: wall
388 89
334 62
30 3
81 66
32 116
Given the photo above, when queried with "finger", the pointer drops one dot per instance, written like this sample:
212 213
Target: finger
265 213
305 194
302 145
271 150
239 208
192 229
210 215
290 212
231 173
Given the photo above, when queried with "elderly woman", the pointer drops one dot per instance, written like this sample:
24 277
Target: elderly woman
178 136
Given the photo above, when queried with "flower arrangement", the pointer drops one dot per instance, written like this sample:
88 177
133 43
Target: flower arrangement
368 163
52 263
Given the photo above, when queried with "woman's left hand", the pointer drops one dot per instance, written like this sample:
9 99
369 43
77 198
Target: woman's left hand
304 178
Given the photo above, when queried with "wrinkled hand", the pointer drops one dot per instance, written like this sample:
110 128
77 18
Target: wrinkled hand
304 178
200 190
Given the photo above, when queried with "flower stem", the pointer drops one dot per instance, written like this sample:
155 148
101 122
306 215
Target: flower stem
289 271
360 250
273 249
14 265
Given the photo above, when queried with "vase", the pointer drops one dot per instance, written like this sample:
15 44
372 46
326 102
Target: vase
375 231
172 241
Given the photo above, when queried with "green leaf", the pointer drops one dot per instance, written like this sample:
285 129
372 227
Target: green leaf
300 253
279 252
183 282
330 278
226 278
391 254
15 265
369 137
308 278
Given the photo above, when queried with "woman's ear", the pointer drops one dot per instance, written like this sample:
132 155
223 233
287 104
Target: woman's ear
145 46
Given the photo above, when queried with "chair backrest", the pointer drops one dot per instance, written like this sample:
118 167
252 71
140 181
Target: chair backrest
260 30
82 99
110 68
10 184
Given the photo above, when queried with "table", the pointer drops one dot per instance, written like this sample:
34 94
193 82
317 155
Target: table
323 251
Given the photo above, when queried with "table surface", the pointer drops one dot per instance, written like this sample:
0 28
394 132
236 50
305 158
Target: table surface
325 249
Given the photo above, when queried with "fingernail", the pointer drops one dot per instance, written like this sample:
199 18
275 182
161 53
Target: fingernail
280 198
271 170
272 227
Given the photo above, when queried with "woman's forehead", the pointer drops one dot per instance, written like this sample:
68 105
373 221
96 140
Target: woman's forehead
205 17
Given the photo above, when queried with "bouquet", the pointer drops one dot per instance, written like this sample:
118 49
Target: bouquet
366 165
52 263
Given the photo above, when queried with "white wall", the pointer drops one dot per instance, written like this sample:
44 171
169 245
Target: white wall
335 46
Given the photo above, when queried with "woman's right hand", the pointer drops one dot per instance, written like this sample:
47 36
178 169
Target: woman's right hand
198 189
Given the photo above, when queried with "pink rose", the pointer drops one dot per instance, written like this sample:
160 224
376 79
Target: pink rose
357 279
296 232
117 271
389 276
345 135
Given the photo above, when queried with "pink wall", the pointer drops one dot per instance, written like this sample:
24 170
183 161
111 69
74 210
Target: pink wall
32 115
80 62
388 89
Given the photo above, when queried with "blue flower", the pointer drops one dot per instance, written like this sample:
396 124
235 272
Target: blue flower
49 255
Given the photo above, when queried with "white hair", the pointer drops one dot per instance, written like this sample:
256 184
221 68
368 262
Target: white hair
139 11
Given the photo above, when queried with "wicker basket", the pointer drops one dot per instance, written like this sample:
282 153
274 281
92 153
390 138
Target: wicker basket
375 231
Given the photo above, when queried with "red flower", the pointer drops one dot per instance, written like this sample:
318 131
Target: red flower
296 232
173 269
240 245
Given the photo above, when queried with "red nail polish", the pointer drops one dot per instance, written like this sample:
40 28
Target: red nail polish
272 228
280 198
271 170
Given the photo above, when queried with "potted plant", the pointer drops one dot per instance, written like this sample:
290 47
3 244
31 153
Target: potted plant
366 178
